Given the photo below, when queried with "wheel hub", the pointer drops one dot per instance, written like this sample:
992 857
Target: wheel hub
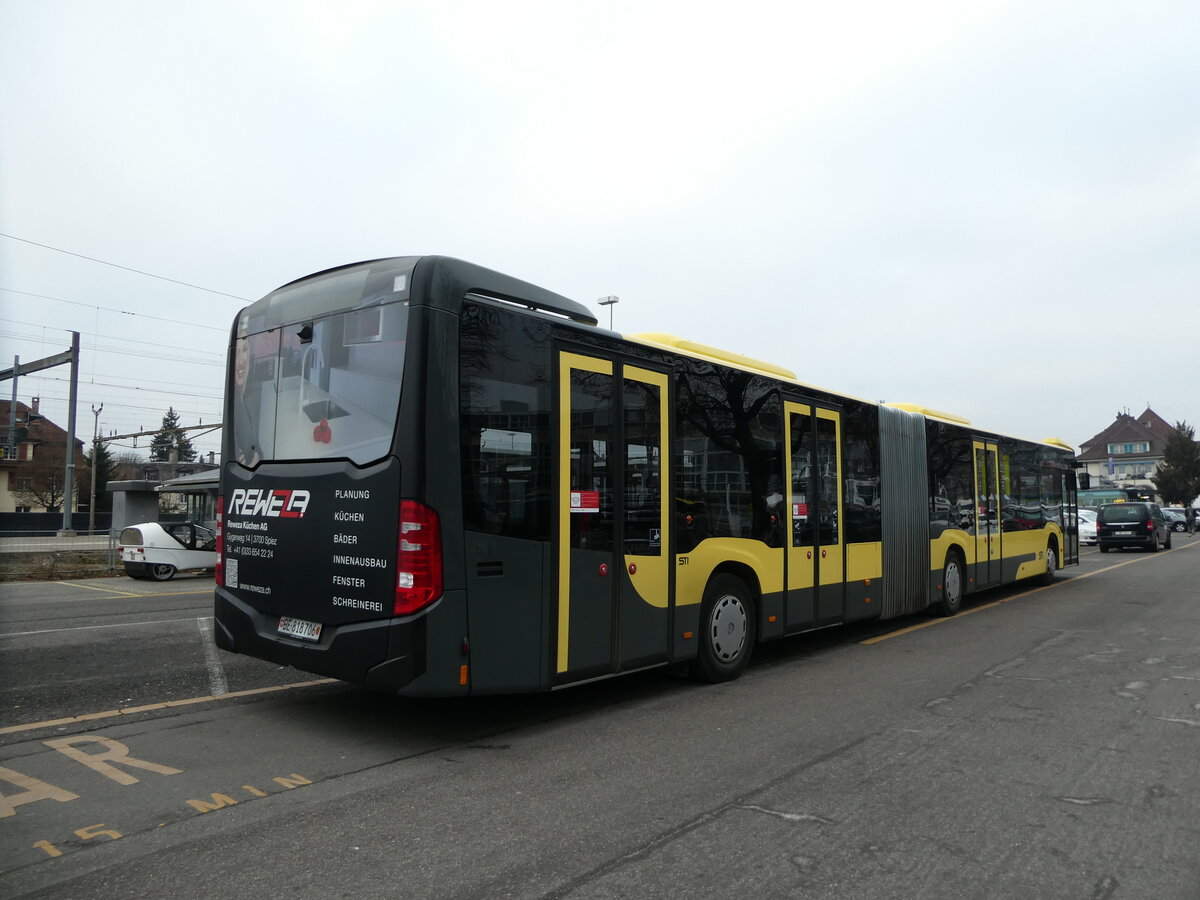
953 583
728 628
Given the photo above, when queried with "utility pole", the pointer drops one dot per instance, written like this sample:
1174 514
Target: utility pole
10 450
69 492
95 465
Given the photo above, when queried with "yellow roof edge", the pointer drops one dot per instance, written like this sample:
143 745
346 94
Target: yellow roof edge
930 413
712 354
1058 442
666 341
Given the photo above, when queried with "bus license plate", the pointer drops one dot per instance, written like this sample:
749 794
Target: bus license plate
299 628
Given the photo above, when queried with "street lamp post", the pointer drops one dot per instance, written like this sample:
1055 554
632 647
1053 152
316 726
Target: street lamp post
610 302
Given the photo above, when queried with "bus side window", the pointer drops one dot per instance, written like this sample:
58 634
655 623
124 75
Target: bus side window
505 424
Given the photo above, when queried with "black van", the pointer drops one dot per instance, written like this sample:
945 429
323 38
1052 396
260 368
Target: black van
1132 525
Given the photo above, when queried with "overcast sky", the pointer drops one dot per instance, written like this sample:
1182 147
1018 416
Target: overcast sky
945 203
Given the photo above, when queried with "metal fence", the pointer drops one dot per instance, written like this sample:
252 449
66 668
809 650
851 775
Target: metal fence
22 524
28 555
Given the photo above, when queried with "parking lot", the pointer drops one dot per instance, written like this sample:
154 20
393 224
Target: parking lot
1037 744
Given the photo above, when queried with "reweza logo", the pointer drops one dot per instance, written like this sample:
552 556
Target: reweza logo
261 502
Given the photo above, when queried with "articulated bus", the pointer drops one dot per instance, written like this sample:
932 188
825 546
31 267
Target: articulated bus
440 480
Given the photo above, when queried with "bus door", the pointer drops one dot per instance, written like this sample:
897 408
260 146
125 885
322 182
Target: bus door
987 515
612 498
1070 507
815 574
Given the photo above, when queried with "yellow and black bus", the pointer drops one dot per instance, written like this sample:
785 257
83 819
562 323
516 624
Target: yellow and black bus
441 480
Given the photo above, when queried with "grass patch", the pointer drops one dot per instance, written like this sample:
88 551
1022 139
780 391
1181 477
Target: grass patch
56 565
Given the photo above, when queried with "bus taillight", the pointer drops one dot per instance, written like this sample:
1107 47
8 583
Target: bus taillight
219 570
418 558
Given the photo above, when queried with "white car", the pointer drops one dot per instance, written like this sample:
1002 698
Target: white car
154 550
1087 526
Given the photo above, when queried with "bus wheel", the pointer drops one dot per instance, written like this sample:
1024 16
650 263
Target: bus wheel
952 586
726 630
161 571
1051 564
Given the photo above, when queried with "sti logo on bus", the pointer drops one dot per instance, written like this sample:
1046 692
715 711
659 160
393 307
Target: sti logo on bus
281 504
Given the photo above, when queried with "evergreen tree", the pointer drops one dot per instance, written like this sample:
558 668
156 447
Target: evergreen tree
170 437
1178 475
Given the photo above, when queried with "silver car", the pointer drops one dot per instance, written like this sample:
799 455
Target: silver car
1087 526
1176 518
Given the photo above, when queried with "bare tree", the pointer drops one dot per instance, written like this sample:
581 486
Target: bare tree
127 466
41 481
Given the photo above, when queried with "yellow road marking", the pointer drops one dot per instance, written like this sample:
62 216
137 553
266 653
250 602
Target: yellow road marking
174 594
130 710
89 587
994 603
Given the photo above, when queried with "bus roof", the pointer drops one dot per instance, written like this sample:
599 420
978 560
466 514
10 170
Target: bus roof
712 354
747 363
453 277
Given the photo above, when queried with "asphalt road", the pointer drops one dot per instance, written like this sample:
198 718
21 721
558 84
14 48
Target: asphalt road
1043 743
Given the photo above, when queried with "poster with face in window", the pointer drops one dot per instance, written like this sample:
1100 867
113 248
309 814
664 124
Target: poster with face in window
253 363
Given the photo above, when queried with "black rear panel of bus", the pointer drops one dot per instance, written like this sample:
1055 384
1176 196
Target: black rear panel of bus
309 572
320 547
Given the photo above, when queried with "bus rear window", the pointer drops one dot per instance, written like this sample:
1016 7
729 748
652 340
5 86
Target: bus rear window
323 388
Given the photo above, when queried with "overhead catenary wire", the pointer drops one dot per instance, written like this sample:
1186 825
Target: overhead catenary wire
147 354
114 404
104 262
128 416
110 337
215 361
97 396
132 387
124 312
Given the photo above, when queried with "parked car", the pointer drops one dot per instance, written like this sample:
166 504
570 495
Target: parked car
1087 526
1176 518
160 549
153 550
1141 525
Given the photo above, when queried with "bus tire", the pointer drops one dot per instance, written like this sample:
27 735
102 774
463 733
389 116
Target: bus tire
952 585
161 571
1051 564
726 630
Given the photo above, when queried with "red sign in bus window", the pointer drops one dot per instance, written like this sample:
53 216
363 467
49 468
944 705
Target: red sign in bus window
585 501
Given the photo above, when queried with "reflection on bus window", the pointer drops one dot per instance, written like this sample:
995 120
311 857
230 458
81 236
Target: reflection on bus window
643 460
329 387
505 434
